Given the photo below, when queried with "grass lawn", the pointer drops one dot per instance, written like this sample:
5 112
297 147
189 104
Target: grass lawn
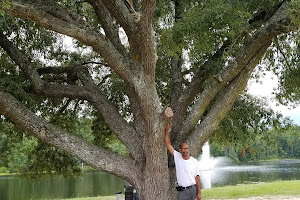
234 192
253 190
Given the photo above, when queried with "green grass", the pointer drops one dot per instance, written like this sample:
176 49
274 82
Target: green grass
253 190
90 198
234 192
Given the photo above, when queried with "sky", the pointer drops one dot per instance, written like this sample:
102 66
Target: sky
265 89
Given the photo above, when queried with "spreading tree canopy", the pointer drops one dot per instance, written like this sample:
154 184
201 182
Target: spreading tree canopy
129 61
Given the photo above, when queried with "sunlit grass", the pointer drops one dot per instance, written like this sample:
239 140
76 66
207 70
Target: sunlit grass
233 192
90 198
253 190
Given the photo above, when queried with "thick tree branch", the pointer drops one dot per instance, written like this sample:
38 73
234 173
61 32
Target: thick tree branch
176 88
177 77
23 62
145 52
276 25
120 12
176 91
224 103
88 92
55 17
57 70
68 23
196 85
108 24
193 89
95 156
263 16
137 113
148 7
125 132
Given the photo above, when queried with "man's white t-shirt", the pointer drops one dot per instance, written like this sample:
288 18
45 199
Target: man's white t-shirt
186 170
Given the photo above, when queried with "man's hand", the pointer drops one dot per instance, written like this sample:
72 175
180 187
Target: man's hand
199 197
168 126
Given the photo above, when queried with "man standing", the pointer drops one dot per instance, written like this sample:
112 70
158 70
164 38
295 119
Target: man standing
187 171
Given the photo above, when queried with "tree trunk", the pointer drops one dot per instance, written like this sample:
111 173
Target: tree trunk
157 184
156 180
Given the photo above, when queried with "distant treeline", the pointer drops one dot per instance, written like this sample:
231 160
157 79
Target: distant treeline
271 144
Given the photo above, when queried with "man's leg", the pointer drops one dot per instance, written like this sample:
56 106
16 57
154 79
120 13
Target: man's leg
182 195
189 194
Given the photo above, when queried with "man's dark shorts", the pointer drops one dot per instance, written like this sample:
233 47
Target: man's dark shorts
187 194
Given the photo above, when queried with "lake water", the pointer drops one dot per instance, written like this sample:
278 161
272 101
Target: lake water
101 184
90 184
254 172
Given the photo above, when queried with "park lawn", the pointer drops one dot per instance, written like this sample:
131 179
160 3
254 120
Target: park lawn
253 190
290 188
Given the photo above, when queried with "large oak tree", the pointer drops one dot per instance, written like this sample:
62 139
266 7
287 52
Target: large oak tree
194 56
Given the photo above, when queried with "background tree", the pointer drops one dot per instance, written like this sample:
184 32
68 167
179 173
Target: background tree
273 143
195 56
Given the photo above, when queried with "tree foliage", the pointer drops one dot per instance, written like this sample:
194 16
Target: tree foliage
269 144
248 118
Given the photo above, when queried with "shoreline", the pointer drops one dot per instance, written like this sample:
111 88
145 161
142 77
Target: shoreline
283 190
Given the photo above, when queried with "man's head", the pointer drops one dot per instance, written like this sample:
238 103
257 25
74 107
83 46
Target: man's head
184 150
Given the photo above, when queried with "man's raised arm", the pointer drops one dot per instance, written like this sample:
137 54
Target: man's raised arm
168 142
